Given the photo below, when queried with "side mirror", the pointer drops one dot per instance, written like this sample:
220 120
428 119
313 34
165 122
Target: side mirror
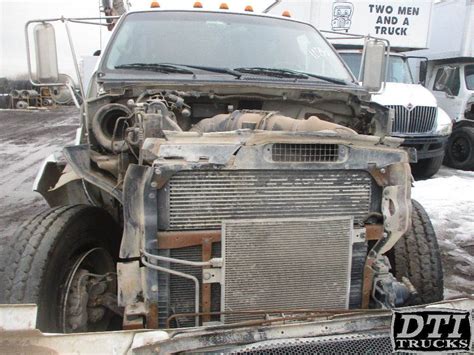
372 73
46 54
444 79
423 71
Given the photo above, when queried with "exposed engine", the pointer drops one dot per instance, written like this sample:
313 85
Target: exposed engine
123 126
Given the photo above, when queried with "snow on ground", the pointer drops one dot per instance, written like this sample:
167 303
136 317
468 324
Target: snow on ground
449 200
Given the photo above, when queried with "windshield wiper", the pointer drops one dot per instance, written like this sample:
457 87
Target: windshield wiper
213 69
287 73
162 68
275 72
177 68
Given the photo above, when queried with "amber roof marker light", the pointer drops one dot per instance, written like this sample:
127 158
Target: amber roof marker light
224 6
197 5
155 5
286 13
249 8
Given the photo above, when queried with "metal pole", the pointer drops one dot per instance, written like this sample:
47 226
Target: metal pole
79 78
275 3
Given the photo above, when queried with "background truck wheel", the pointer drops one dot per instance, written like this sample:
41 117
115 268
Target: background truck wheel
426 168
416 256
460 149
63 260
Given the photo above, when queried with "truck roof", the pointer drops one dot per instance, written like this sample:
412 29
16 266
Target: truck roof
245 13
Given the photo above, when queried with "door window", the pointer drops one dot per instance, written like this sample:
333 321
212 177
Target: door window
469 74
453 85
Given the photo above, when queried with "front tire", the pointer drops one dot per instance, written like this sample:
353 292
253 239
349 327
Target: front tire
460 149
426 168
51 261
416 256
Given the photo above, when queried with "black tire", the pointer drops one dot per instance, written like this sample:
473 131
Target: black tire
426 168
416 256
41 254
460 149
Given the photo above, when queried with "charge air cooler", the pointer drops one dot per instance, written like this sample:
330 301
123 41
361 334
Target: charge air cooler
272 264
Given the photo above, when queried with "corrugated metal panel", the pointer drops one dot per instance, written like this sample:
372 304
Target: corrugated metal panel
286 263
203 199
420 119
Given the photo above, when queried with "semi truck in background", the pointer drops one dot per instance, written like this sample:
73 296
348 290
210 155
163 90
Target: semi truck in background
451 46
405 24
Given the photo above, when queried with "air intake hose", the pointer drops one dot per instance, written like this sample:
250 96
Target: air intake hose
266 120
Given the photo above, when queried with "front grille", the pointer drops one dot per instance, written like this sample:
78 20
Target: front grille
276 264
420 119
305 153
203 199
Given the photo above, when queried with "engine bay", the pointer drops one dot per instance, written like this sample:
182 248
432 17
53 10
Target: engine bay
120 123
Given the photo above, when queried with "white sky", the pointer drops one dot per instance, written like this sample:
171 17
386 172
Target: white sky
15 13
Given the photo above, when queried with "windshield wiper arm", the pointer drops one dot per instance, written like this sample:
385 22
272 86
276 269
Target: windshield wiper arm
325 78
162 68
220 70
287 73
275 72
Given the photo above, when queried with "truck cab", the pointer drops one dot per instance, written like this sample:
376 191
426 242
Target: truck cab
225 172
458 92
451 49
456 97
417 118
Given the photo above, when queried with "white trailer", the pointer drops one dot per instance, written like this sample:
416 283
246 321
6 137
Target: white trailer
406 25
451 45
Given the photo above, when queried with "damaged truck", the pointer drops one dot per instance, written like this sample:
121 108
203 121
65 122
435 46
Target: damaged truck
228 170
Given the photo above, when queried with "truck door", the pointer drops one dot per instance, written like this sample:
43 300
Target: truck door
448 98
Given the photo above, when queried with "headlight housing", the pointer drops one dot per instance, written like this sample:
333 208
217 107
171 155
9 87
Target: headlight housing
444 124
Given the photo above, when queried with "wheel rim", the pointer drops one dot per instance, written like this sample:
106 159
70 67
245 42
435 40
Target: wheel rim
79 310
460 149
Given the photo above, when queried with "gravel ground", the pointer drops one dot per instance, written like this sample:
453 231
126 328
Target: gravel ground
28 137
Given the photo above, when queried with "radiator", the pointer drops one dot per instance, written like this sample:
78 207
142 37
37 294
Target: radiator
194 200
285 263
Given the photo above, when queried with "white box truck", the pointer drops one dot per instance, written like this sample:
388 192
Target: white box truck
405 24
451 45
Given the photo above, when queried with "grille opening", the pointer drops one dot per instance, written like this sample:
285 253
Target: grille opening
305 153
419 119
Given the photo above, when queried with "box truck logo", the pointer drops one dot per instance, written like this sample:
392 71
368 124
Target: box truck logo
393 21
342 12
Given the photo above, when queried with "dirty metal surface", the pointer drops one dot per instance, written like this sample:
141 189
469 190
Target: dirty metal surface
203 199
293 263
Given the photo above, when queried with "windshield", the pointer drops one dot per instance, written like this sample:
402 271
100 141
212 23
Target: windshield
469 74
222 40
398 69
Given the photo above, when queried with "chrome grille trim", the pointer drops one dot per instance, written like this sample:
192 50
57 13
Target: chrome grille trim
203 199
420 119
305 153
293 263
